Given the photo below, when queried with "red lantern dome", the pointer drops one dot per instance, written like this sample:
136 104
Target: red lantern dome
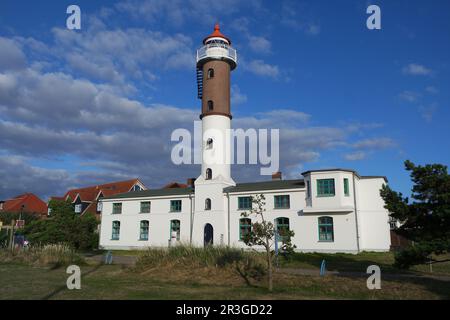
217 34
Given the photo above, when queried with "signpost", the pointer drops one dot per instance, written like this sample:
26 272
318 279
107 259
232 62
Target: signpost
20 224
276 248
11 236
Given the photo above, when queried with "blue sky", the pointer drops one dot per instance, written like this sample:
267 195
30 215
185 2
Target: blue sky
99 104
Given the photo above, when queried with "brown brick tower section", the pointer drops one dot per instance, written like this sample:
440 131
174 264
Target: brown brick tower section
216 89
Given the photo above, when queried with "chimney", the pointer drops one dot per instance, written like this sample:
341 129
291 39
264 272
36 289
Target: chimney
276 176
190 182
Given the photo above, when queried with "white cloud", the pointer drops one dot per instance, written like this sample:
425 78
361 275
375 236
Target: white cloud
374 143
260 68
237 97
410 96
11 55
260 44
296 16
417 70
427 112
312 29
432 90
355 156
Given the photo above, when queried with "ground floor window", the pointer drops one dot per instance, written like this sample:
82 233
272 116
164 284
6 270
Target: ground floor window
245 227
115 230
282 227
326 232
144 230
175 227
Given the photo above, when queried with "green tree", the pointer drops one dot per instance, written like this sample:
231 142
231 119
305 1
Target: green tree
262 234
426 219
64 226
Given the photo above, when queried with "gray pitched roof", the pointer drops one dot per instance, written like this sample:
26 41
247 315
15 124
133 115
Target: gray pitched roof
153 193
267 185
240 187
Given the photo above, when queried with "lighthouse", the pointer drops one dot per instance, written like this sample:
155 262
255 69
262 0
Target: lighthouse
215 61
216 58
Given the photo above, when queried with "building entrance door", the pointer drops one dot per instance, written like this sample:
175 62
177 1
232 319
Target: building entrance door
208 238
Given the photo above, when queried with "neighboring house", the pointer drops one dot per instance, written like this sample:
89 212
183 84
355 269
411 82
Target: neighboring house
334 210
86 200
27 202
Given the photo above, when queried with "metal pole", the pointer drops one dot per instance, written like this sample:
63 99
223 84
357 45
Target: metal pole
11 236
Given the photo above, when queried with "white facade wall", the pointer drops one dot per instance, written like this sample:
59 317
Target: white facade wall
224 216
305 226
159 222
373 217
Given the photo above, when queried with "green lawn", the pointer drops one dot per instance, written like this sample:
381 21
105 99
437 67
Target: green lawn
18 281
359 262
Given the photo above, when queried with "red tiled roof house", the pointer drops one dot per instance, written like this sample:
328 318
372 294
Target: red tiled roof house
85 200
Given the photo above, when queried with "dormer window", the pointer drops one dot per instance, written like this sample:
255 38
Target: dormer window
208 174
99 206
325 188
78 208
308 189
137 188
210 105
346 188
210 73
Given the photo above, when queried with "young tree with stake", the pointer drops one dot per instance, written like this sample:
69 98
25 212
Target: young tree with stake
263 233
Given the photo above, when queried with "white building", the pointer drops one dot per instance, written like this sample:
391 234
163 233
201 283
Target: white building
334 210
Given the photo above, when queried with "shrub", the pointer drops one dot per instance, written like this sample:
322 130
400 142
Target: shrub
245 264
64 226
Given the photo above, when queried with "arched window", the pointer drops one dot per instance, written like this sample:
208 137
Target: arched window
208 174
175 228
115 230
210 73
209 143
210 105
208 204
326 230
245 227
282 225
143 233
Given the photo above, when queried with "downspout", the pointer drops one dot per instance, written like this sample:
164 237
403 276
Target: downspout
356 214
192 219
228 209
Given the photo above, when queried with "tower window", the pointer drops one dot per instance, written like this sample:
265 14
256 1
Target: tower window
208 204
210 105
210 73
208 174
209 143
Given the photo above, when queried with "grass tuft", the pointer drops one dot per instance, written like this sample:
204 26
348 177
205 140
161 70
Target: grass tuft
50 255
